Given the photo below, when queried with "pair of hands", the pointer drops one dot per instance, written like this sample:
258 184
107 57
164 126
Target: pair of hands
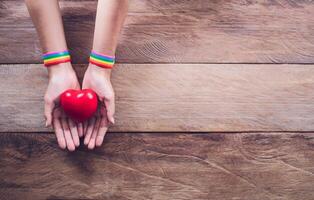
62 77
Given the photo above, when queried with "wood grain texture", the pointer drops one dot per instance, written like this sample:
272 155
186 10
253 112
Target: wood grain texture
160 166
178 97
171 31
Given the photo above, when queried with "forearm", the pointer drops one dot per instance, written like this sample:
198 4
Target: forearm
109 21
47 19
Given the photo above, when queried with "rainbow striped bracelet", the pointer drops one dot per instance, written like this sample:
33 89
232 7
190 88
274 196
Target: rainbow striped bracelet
101 60
53 58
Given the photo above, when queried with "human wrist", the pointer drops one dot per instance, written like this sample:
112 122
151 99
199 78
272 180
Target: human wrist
61 68
92 68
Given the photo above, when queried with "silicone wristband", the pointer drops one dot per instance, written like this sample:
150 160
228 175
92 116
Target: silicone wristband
53 58
101 60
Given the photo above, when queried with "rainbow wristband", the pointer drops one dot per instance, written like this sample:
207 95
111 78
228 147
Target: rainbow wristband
53 58
101 60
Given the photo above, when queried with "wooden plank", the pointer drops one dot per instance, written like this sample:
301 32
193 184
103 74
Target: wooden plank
249 166
178 97
167 31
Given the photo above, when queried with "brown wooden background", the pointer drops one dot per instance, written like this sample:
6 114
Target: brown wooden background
215 100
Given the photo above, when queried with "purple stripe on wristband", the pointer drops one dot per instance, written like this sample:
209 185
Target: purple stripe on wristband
102 55
55 52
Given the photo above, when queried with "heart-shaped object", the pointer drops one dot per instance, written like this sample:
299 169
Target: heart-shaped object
79 104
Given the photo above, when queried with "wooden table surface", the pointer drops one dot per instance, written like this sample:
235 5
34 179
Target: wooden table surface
214 100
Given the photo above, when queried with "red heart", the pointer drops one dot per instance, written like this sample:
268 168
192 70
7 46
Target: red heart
79 104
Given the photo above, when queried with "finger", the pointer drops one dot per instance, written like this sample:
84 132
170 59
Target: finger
91 144
80 129
110 106
74 132
49 105
58 130
89 130
103 127
85 125
67 134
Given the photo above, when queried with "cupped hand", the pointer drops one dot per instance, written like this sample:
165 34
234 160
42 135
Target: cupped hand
98 79
61 78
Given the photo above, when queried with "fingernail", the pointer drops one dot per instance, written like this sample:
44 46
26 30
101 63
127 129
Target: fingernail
46 124
112 120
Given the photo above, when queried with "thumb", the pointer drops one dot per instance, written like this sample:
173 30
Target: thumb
110 106
49 105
